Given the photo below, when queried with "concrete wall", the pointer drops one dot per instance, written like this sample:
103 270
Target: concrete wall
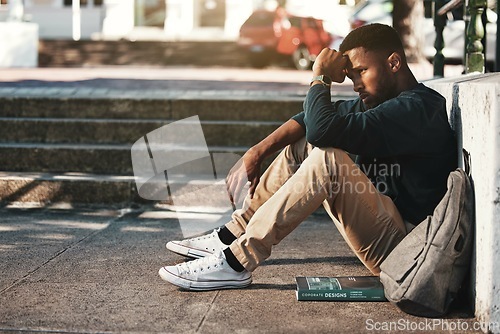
18 44
473 103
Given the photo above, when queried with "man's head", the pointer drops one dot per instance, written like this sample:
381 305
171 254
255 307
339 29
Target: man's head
373 37
377 63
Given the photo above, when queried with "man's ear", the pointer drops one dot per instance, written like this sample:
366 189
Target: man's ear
394 61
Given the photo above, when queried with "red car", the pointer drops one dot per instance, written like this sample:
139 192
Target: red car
268 33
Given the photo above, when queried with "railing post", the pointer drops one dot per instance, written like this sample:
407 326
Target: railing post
439 24
497 51
474 58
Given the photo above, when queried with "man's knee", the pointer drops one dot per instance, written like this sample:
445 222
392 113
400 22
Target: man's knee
333 157
299 150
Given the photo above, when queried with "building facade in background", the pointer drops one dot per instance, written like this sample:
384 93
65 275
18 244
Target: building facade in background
161 19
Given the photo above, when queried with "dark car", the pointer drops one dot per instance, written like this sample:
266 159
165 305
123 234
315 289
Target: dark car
266 34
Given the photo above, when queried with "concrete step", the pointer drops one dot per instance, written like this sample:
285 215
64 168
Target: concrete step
123 131
73 146
81 189
159 105
41 189
85 158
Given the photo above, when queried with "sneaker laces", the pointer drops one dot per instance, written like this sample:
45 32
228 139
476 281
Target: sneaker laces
202 264
206 236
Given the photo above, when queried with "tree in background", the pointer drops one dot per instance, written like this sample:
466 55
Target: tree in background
407 19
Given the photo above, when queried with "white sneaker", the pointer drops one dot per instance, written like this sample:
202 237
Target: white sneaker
198 247
209 273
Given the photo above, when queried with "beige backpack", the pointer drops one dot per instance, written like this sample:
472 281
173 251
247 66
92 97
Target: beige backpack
425 271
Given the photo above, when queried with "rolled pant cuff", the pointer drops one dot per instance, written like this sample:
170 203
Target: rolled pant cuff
242 259
235 229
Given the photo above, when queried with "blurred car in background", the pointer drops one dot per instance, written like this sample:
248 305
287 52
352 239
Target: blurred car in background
266 34
380 11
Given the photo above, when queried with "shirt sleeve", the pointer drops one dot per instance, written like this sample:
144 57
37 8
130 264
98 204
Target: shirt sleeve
299 118
394 127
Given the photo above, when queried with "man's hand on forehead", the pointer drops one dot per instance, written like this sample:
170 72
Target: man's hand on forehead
331 63
348 64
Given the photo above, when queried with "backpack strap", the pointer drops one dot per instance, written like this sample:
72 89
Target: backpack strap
467 162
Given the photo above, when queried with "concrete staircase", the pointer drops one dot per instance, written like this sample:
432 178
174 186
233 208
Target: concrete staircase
73 149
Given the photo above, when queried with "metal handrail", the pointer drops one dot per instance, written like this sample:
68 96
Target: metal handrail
475 31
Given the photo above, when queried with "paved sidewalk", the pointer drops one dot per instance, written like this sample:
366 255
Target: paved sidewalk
156 82
95 271
171 82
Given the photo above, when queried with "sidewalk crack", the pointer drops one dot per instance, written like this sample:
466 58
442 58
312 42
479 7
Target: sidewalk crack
202 321
46 262
62 251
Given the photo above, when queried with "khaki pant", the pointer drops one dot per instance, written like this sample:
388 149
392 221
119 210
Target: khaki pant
298 181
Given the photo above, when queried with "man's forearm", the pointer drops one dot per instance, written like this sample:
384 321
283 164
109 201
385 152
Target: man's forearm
286 134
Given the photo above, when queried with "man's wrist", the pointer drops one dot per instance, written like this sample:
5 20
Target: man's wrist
258 151
322 79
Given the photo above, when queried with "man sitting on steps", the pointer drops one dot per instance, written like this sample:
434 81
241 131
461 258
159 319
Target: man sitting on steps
397 128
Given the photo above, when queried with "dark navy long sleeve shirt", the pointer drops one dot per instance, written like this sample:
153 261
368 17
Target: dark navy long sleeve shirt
404 145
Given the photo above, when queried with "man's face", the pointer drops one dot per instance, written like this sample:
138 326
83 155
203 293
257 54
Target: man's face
371 75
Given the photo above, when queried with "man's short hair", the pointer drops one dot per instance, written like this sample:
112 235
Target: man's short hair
373 37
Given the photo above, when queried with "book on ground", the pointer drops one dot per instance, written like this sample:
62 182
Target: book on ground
342 288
